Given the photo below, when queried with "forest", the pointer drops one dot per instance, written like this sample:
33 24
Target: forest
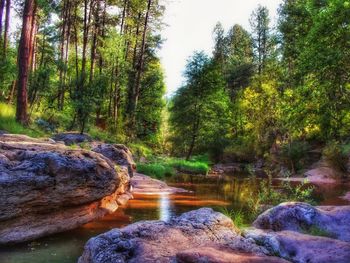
92 66
248 160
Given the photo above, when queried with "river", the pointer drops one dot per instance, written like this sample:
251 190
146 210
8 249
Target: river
217 192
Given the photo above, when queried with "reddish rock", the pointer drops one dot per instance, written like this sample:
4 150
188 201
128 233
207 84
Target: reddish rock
159 241
222 255
47 188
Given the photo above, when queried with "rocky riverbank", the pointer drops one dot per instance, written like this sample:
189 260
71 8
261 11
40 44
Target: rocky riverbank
47 187
290 232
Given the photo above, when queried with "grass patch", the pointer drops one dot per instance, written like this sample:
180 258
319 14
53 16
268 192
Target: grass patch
159 167
316 231
193 167
156 170
8 122
237 217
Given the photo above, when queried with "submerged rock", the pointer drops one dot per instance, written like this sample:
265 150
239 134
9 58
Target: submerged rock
197 236
333 221
46 187
143 184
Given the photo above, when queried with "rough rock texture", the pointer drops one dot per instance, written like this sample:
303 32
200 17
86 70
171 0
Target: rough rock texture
302 233
143 184
217 254
301 217
302 248
117 153
46 187
202 231
70 138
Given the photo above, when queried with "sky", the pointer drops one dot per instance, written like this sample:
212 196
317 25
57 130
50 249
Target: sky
189 28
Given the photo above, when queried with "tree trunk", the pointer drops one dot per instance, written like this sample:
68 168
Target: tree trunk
62 55
2 4
7 25
25 46
140 65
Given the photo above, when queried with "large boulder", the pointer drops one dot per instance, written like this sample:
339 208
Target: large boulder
301 248
197 236
301 217
302 233
46 187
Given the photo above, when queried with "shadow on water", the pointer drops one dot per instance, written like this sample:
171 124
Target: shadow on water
217 192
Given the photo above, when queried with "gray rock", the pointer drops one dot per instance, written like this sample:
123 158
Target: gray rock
47 188
301 248
302 217
196 235
117 153
70 138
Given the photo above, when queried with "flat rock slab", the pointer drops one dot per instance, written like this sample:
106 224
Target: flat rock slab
143 184
334 221
216 254
301 248
172 241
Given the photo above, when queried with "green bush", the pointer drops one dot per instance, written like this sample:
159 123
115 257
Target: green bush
293 153
336 156
140 150
237 216
239 152
268 196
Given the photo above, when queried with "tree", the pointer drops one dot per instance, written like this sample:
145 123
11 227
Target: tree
261 34
200 110
24 57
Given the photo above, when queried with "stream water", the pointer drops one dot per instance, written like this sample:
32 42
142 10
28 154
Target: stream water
217 192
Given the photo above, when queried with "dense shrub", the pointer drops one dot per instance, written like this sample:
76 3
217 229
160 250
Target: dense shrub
336 156
292 153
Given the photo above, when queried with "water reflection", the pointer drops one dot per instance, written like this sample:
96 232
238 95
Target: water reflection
164 209
226 191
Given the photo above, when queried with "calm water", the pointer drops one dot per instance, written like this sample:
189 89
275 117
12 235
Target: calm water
227 191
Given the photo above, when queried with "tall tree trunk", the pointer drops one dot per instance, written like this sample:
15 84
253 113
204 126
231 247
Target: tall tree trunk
96 32
140 65
2 4
25 46
62 55
7 25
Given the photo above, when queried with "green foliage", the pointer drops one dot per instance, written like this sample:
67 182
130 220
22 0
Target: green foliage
200 109
293 153
240 151
269 196
317 231
159 167
192 167
237 217
140 150
150 108
156 170
336 156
